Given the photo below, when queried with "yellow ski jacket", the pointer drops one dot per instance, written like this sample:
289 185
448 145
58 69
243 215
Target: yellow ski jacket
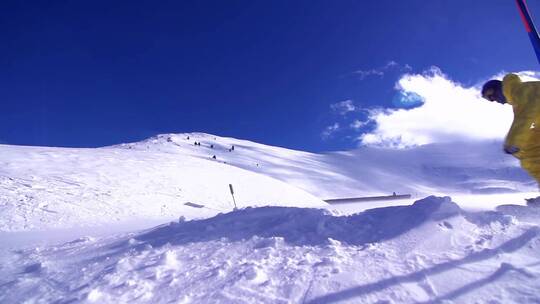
525 130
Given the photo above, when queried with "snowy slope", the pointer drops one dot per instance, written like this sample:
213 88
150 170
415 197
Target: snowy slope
432 251
479 167
43 188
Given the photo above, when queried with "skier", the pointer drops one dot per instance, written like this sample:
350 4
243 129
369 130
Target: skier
523 138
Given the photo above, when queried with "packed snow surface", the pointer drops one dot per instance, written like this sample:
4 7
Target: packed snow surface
71 224
428 252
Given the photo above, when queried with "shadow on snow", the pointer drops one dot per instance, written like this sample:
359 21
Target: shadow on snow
507 247
304 226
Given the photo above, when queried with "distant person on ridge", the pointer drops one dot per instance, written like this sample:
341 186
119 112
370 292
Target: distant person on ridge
523 138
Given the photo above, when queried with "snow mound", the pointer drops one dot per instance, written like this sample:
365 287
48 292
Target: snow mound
302 226
431 251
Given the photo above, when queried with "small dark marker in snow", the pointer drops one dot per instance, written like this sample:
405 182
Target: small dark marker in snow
446 224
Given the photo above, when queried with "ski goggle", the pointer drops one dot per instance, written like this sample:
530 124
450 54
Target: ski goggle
489 94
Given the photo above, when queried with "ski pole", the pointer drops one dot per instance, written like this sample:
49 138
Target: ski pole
529 27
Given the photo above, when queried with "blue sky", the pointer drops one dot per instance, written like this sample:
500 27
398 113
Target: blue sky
87 74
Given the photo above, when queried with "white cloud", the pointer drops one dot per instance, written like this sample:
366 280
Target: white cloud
450 112
330 130
381 70
357 124
343 107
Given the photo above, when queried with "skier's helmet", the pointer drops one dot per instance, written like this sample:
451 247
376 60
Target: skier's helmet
493 91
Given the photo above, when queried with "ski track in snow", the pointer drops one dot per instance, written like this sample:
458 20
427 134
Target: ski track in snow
284 245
